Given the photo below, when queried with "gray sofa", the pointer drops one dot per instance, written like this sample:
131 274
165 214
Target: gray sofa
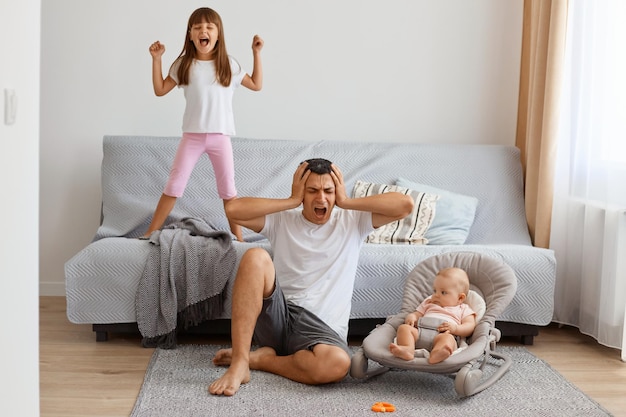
481 209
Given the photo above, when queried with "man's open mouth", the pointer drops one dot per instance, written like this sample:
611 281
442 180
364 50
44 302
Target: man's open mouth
320 211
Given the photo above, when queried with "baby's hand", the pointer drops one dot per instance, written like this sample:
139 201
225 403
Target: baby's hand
257 43
447 327
410 320
157 49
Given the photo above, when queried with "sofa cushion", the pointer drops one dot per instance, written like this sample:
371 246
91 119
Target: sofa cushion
455 214
409 230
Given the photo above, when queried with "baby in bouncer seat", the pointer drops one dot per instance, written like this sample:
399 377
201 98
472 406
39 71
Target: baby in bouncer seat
439 322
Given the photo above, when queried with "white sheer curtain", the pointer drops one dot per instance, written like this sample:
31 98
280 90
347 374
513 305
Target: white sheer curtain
589 212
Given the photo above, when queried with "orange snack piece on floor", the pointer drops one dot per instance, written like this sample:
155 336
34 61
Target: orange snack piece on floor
383 407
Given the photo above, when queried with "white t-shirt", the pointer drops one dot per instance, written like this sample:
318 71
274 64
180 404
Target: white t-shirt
209 105
316 264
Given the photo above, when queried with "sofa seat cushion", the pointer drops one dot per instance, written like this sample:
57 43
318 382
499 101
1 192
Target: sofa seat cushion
102 279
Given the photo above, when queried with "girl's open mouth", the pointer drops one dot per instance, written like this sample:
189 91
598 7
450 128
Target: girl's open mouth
204 42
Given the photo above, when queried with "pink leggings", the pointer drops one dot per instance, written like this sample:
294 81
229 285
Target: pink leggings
191 147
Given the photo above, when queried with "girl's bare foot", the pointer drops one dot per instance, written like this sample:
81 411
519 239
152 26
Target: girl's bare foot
238 234
236 230
402 352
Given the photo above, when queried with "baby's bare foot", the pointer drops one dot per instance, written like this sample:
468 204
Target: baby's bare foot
439 355
401 352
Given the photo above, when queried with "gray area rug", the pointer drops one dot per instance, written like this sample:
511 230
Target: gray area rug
176 385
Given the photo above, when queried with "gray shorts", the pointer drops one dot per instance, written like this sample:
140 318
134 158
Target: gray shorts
288 328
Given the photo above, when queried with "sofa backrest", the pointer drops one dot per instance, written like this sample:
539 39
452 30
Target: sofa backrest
135 170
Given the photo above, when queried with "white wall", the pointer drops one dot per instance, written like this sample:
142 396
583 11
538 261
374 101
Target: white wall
19 168
402 70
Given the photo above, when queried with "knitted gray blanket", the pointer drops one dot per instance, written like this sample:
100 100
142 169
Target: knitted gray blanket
183 280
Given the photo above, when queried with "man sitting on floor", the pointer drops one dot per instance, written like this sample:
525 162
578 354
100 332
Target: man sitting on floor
297 306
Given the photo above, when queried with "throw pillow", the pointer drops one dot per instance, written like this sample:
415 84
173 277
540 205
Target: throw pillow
455 214
409 230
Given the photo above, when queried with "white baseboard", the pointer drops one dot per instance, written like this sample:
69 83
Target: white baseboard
52 289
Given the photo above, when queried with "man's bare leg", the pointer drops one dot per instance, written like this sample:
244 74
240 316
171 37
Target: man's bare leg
323 365
254 281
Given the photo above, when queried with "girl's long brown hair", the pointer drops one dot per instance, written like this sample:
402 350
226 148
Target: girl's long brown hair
188 53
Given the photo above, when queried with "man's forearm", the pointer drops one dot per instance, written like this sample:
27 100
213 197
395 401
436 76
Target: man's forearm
388 204
249 208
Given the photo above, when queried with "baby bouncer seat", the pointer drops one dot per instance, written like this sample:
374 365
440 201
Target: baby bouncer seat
494 283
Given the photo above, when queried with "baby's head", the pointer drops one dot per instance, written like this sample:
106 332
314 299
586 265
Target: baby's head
451 286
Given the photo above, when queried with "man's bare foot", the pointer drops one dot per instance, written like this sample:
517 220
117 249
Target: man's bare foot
439 355
228 384
261 355
402 352
223 357
239 372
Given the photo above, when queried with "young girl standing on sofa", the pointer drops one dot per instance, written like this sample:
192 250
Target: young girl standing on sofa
209 78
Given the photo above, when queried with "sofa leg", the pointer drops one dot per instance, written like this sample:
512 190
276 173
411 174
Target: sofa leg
104 330
526 332
102 336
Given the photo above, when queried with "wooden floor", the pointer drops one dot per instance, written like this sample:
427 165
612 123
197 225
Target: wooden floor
82 377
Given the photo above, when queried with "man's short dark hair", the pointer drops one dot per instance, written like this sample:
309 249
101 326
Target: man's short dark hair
319 166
